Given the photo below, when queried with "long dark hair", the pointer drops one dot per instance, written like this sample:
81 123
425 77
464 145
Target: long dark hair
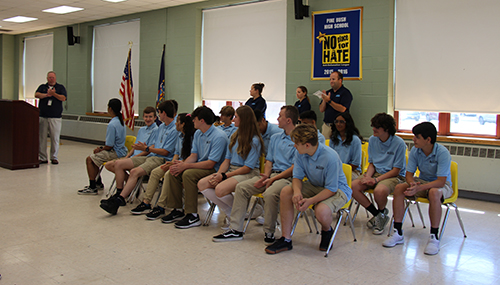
246 131
188 131
116 106
350 130
304 89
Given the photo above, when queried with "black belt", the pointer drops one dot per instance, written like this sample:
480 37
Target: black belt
276 171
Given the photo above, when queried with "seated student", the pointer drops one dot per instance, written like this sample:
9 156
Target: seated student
184 125
241 163
267 130
112 149
387 158
434 183
277 173
149 116
159 148
309 118
304 103
226 118
326 187
207 153
346 141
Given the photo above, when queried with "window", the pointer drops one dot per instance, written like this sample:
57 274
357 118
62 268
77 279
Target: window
37 61
109 55
238 43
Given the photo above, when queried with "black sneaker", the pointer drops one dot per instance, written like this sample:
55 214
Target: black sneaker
188 221
228 235
87 191
100 186
325 239
111 206
141 209
269 238
155 213
279 246
174 216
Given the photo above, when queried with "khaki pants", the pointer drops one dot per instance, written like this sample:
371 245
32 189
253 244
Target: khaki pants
52 126
244 192
154 180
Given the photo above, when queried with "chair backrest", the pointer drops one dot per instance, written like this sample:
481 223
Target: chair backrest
348 175
327 142
129 141
454 183
262 162
364 157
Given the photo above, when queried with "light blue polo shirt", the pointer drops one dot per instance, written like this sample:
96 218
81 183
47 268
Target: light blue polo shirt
178 146
229 130
437 164
387 155
321 138
115 137
349 154
270 131
323 169
143 135
252 160
165 137
210 145
281 151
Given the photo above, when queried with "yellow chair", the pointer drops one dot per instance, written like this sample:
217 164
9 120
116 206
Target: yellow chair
447 202
340 213
327 142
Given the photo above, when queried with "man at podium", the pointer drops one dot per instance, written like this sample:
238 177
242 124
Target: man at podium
51 95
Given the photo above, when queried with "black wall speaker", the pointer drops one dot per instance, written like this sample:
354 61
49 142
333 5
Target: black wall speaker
301 10
72 40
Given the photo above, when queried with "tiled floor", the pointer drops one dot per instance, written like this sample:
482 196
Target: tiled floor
51 235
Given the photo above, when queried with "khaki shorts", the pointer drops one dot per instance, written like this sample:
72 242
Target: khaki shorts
103 156
446 190
335 202
147 163
389 182
240 178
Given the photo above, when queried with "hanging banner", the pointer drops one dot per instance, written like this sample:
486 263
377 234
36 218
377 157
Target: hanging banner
336 43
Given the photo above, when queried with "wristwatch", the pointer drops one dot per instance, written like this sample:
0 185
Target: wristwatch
147 149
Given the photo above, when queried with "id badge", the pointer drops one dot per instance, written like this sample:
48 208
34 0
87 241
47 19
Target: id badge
49 103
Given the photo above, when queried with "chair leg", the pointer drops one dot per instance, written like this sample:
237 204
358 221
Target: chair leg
306 217
250 214
445 220
411 216
356 212
334 233
111 189
314 220
210 212
420 213
160 186
133 194
459 219
352 225
295 223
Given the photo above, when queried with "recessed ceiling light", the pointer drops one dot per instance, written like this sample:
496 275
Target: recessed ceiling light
20 19
62 10
114 1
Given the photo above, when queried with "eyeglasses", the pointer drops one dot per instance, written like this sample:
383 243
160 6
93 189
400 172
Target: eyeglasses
339 122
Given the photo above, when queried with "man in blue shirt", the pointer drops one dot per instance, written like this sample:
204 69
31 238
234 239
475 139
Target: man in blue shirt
277 172
155 151
267 130
207 153
51 95
226 117
310 118
434 183
326 187
334 101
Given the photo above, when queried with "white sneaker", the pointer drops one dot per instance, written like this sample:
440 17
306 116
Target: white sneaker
432 247
226 224
394 240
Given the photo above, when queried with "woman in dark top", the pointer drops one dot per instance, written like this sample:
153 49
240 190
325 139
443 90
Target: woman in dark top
257 102
304 103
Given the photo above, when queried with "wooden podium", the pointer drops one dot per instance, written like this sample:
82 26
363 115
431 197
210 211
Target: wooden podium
18 135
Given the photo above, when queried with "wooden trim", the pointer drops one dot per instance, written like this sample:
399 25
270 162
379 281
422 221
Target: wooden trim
444 124
103 115
456 139
396 118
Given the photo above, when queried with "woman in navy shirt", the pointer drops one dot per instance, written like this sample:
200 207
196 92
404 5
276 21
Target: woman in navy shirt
257 102
304 103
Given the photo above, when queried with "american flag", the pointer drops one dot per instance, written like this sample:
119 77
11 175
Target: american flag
127 93
161 81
